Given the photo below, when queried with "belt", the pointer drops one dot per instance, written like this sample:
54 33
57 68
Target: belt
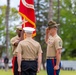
29 59
51 57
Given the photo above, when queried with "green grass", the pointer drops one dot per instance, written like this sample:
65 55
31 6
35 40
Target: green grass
3 72
67 72
42 73
9 72
61 73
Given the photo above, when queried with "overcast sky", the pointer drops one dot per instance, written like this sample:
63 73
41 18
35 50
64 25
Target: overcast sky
13 3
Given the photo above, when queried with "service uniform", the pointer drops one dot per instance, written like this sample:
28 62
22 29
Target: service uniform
53 44
29 50
14 60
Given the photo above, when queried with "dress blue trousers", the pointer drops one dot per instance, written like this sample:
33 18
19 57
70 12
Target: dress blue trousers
50 63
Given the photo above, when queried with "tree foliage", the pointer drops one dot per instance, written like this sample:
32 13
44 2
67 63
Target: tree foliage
13 18
68 28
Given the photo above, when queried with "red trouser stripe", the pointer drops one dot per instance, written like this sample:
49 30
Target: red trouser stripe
13 60
53 66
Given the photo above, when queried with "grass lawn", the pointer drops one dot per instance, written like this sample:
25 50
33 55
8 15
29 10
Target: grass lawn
61 73
9 72
3 72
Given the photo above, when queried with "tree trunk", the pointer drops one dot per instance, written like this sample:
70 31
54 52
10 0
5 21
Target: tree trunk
7 26
58 18
58 11
50 14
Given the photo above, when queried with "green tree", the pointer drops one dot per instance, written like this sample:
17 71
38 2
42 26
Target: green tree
41 9
68 26
14 19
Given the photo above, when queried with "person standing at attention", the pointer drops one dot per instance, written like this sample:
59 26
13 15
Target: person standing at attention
54 47
29 54
14 41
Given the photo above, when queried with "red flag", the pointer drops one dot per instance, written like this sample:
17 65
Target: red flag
26 10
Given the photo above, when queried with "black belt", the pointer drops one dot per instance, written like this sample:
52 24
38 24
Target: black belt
51 57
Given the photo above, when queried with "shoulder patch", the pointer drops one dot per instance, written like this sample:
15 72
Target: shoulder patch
60 43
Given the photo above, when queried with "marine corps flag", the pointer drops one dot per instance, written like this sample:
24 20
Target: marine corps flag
26 10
